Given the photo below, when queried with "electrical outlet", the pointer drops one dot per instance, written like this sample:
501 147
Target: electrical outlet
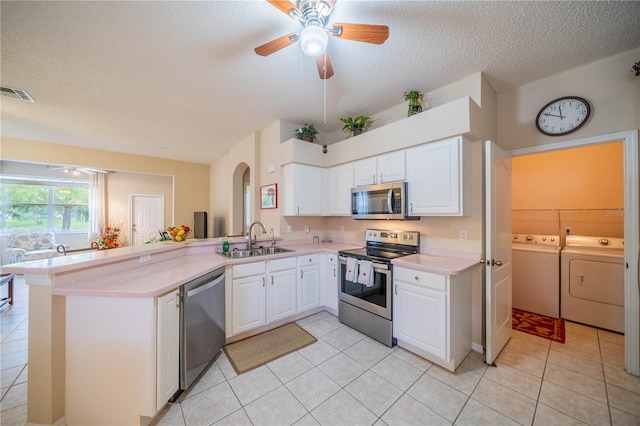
341 228
145 258
567 230
288 228
463 235
306 229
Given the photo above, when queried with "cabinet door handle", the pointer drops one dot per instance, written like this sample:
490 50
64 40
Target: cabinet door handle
298 209
271 279
396 289
334 272
411 207
374 178
263 282
301 273
380 177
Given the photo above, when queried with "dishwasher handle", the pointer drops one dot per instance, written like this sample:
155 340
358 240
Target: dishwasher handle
205 287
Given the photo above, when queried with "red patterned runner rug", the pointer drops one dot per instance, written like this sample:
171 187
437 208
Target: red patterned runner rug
538 325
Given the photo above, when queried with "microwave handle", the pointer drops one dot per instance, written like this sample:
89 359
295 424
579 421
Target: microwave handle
390 201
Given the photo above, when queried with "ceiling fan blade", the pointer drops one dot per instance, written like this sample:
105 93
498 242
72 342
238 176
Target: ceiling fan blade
320 63
285 6
277 44
376 34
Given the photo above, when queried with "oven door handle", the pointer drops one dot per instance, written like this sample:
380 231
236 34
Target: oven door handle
390 201
376 266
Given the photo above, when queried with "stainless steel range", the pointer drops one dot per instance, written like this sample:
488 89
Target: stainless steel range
366 280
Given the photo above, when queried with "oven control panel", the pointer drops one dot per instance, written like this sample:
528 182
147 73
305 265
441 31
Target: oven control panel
408 238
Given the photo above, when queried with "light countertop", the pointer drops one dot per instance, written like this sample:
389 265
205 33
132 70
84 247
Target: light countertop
119 273
445 265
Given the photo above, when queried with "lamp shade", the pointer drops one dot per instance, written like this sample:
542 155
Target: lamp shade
313 40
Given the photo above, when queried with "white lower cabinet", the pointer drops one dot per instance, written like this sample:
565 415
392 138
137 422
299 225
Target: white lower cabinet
249 297
281 289
167 347
308 282
332 269
432 315
264 293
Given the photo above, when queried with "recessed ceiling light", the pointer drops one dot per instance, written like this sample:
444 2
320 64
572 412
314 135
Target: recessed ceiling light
19 94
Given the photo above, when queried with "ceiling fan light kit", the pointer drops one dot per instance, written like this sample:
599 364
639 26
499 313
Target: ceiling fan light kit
313 40
313 16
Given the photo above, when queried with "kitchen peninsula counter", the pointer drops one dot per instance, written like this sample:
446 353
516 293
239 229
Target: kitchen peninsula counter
146 271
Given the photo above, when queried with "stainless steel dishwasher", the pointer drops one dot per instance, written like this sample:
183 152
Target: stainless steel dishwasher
202 324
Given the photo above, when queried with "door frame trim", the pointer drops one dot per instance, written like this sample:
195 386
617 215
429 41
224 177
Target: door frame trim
631 231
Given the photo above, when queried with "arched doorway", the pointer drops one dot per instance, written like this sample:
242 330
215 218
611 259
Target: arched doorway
241 200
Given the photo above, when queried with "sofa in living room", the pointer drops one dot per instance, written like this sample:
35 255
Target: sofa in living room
32 245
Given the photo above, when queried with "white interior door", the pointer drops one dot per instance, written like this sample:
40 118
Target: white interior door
497 249
147 217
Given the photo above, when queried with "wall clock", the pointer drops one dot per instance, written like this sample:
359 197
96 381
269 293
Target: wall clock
563 116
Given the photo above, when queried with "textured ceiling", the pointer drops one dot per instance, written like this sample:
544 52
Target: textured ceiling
180 79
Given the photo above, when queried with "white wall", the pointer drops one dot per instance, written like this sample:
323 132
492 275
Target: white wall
612 90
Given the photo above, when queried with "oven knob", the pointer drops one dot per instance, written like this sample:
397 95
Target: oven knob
404 237
411 237
544 238
370 233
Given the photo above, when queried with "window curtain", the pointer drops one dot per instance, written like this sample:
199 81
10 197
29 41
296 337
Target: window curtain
97 203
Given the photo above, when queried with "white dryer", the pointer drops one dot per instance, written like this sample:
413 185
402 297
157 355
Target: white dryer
535 274
592 281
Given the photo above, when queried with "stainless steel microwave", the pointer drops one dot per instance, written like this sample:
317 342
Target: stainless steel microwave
384 201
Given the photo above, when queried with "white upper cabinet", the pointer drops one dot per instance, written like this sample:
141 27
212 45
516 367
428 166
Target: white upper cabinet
437 184
339 187
301 190
381 169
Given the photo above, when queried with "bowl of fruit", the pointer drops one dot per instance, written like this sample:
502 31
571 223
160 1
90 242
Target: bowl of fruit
179 233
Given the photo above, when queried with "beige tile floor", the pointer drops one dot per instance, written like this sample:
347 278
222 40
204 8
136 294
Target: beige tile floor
348 379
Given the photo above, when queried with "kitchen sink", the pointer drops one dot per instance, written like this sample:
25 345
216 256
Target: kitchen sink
237 254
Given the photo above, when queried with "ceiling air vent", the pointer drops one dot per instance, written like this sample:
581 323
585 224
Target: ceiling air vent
19 94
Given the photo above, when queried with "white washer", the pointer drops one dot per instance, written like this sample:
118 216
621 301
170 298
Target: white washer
592 281
536 274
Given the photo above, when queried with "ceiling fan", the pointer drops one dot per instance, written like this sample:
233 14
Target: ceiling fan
314 15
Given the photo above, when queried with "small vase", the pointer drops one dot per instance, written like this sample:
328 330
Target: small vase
324 149
308 139
357 131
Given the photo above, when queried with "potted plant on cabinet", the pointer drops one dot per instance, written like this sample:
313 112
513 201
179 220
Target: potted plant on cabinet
415 102
355 125
307 132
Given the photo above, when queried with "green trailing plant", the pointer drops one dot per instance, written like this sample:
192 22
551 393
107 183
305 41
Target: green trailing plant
355 125
415 102
307 132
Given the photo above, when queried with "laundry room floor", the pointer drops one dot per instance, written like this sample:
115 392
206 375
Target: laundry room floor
347 378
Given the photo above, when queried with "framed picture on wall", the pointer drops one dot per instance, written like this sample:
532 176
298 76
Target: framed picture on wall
269 196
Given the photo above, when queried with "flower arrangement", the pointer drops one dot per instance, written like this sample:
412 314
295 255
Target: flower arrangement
307 132
179 233
107 239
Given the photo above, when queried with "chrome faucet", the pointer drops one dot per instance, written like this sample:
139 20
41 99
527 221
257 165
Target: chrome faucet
273 237
253 239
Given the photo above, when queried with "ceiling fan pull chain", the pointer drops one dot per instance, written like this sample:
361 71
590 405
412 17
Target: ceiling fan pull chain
325 88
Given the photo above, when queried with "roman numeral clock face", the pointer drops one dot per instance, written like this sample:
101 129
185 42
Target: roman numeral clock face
563 116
